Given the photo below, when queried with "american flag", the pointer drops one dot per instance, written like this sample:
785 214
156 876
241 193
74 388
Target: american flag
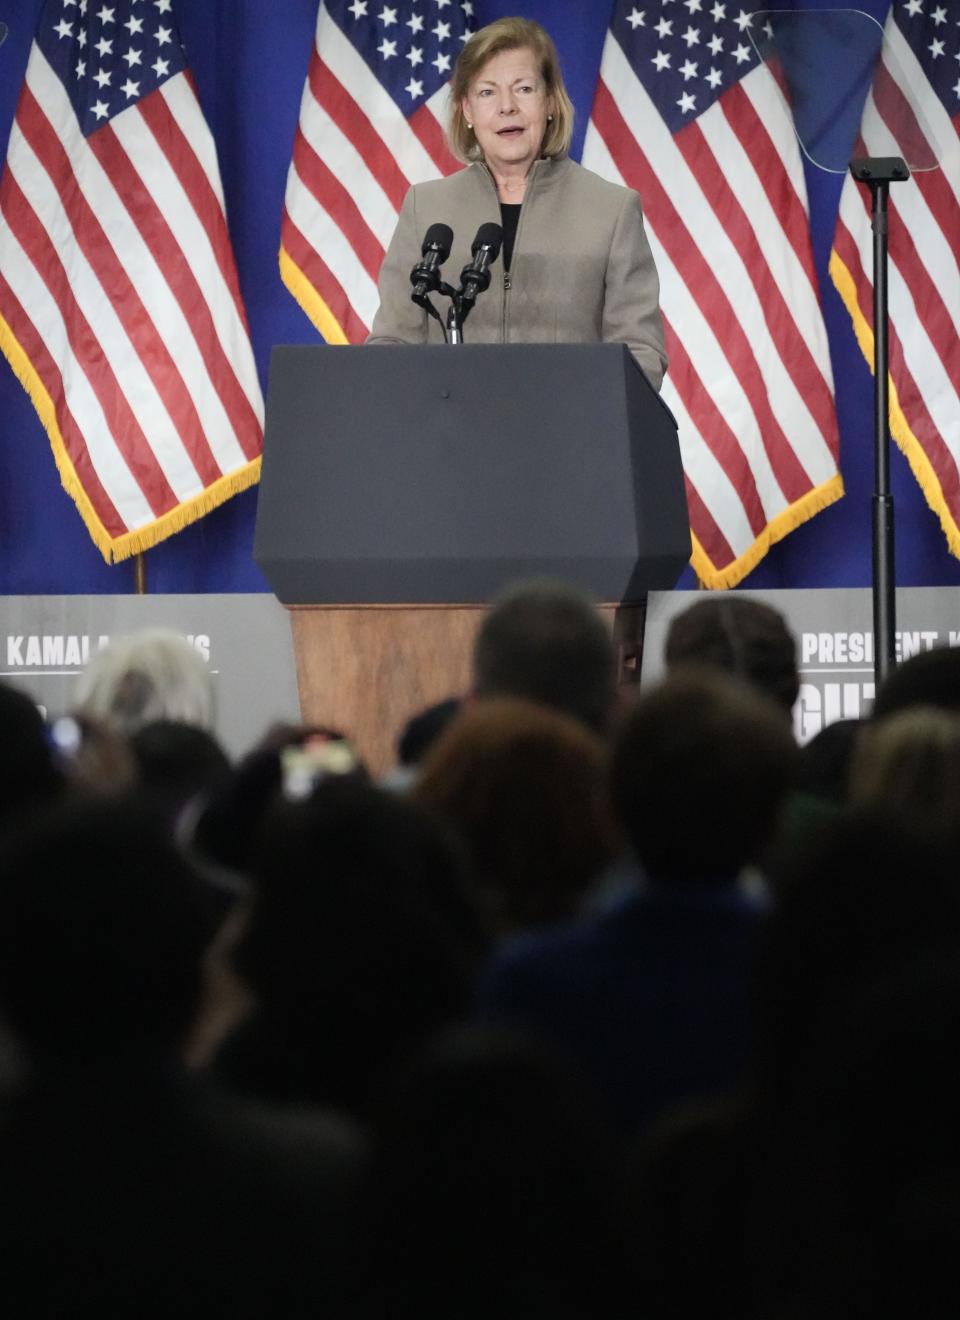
913 111
120 309
371 124
687 114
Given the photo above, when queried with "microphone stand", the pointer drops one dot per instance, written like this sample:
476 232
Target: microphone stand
878 172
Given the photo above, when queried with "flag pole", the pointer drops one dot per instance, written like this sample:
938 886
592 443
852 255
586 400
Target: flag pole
878 172
140 574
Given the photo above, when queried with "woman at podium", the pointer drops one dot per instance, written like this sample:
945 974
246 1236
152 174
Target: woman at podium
575 265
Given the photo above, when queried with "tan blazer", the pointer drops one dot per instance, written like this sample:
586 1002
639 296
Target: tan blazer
582 270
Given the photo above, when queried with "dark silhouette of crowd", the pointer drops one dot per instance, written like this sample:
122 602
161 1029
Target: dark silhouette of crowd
607 1002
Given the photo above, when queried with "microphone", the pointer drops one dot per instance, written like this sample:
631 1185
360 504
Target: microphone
425 276
475 276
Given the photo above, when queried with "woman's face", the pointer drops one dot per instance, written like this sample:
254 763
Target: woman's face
507 105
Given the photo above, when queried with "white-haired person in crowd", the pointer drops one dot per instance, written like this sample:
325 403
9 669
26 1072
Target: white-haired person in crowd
154 674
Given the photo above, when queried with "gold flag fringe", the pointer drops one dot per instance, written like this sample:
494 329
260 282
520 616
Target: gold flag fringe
788 520
311 302
900 428
115 549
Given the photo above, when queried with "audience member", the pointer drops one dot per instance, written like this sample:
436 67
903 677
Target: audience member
733 1198
930 678
652 996
744 637
150 675
422 731
545 641
123 1182
360 940
178 762
29 774
494 1188
908 765
523 786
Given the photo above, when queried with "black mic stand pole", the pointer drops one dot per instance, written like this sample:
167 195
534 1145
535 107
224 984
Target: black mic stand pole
878 172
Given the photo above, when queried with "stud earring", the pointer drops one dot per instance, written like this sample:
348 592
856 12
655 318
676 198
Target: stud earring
470 126
549 119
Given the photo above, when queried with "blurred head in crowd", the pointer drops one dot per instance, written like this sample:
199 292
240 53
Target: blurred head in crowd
545 641
930 678
360 940
700 771
908 765
492 1184
151 675
523 786
743 637
825 761
422 731
177 762
102 929
857 893
29 775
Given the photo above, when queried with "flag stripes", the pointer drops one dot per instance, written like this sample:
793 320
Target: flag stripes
750 377
355 155
906 115
121 309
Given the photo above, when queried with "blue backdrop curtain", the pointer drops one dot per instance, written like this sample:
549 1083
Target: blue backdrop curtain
249 58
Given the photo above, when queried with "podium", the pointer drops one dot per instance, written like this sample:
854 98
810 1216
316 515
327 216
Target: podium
404 487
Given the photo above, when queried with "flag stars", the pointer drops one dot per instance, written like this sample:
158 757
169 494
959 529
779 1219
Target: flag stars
164 36
101 109
387 49
161 67
163 6
939 15
695 6
743 20
467 8
913 8
741 53
442 4
81 68
692 37
687 103
715 45
104 47
415 56
714 78
387 16
688 69
936 48
441 63
415 23
134 25
358 9
106 15
102 78
718 12
664 28
442 32
637 18
64 29
414 87
132 57
661 60
130 89
82 38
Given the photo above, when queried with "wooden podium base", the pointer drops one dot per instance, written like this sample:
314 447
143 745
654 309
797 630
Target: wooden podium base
367 669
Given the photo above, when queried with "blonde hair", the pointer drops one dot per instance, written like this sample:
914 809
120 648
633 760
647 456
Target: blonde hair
510 34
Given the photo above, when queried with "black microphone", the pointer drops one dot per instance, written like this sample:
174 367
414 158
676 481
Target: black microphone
475 276
425 276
